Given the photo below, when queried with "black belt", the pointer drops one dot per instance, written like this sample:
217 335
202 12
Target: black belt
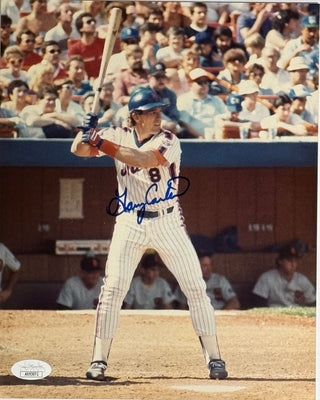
155 214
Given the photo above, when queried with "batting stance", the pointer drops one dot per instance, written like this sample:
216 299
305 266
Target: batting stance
148 215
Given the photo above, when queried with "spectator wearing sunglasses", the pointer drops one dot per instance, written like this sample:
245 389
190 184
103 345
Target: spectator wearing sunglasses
13 57
197 107
255 73
72 112
90 47
26 41
50 52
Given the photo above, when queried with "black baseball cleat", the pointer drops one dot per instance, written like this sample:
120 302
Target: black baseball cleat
217 369
96 371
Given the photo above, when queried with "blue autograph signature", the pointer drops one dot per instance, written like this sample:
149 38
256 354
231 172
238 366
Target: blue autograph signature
120 201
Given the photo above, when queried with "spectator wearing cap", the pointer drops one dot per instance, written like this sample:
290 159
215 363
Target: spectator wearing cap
298 94
234 61
118 61
170 115
89 47
82 292
252 110
305 46
275 78
223 41
157 81
149 291
50 52
170 55
207 55
298 74
283 286
197 107
231 119
135 75
199 23
284 121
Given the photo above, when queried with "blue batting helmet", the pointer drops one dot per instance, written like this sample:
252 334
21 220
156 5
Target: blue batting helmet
144 99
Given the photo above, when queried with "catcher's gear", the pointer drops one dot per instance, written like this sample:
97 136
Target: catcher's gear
144 99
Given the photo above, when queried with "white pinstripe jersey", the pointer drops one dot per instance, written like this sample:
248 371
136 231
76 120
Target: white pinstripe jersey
141 185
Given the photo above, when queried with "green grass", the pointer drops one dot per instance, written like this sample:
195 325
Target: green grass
309 312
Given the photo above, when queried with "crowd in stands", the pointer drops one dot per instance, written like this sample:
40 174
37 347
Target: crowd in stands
218 66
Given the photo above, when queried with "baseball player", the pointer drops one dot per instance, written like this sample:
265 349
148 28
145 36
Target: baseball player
9 260
148 215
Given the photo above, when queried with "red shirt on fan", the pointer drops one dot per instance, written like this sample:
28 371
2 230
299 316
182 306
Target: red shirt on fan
91 55
30 59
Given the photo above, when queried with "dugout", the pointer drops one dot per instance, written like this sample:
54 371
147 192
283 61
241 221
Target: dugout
268 190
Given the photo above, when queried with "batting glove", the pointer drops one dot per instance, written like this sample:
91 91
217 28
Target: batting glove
89 134
90 121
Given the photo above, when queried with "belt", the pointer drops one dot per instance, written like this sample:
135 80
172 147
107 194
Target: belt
155 214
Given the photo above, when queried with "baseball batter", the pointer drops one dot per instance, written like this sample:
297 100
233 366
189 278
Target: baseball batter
148 215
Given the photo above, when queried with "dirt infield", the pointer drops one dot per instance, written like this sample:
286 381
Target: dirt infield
158 356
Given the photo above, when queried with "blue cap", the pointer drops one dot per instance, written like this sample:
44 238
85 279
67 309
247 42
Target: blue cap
129 33
203 38
310 21
144 99
233 102
298 91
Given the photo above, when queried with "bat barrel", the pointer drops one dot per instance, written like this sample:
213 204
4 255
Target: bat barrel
113 27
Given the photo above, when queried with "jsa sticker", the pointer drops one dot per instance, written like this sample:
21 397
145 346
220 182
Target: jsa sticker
31 369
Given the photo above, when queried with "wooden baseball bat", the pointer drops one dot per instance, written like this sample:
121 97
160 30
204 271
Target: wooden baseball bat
113 27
